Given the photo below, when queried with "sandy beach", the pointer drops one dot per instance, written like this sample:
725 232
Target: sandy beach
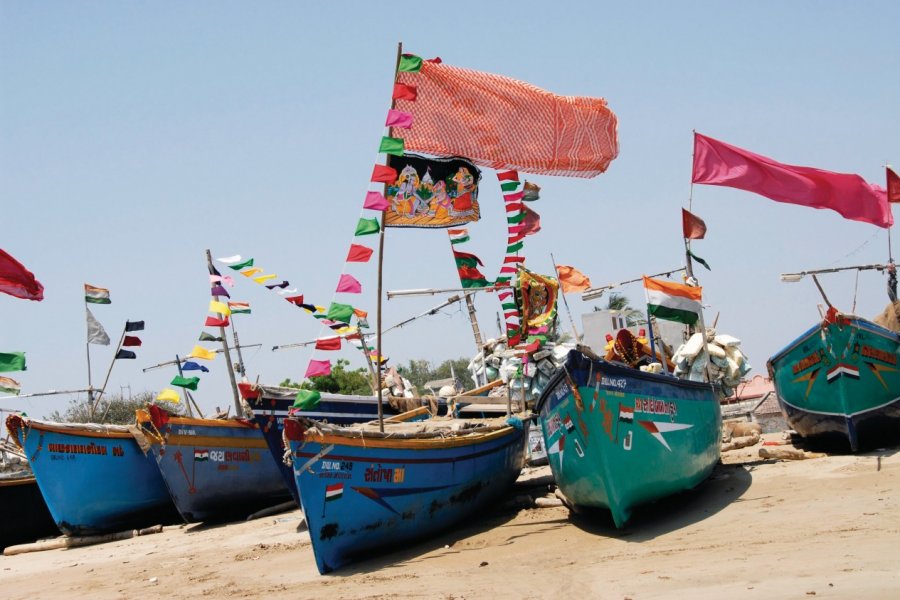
824 527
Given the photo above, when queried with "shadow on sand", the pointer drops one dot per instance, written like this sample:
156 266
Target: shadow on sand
726 485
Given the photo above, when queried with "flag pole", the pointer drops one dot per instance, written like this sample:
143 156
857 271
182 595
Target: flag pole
108 373
378 362
237 346
565 302
238 411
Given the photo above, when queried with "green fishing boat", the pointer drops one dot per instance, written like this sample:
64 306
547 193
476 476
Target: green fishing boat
618 437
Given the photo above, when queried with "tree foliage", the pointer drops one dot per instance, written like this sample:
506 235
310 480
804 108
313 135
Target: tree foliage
116 408
341 381
620 302
421 371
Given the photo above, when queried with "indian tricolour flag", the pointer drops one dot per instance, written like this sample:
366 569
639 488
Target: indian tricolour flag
201 455
239 307
673 301
334 491
96 295
10 386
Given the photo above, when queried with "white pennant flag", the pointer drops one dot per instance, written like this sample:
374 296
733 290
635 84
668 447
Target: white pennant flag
95 332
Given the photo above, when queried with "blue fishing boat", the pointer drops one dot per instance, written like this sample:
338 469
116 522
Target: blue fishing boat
618 437
363 490
271 405
214 469
94 478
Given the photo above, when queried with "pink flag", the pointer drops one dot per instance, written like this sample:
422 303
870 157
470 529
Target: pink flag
398 118
218 278
349 285
718 163
376 201
318 368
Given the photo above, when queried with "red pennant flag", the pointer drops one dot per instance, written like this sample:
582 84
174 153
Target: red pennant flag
893 185
533 347
18 281
531 224
216 322
359 253
384 174
405 92
298 300
693 226
131 340
333 343
508 175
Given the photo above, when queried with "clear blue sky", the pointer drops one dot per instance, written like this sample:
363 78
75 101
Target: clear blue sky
135 135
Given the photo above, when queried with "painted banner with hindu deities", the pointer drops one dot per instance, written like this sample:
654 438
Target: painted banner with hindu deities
538 299
432 192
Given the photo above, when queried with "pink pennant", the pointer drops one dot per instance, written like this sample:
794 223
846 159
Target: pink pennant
376 201
398 118
318 368
348 284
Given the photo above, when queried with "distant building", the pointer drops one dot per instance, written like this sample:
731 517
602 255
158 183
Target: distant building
755 400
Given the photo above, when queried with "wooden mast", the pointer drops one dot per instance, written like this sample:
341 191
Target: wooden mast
238 411
381 273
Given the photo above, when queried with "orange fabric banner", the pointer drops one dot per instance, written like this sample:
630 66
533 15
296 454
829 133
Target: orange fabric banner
572 279
502 123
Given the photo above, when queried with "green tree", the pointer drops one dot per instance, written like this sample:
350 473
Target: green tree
620 302
341 380
422 371
118 410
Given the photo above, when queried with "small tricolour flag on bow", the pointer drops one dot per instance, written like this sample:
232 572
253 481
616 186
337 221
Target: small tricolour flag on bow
673 301
334 491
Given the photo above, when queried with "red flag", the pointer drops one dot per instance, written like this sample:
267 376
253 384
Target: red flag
359 253
502 123
131 340
405 92
298 300
531 224
384 174
216 322
693 226
718 163
893 185
18 281
331 343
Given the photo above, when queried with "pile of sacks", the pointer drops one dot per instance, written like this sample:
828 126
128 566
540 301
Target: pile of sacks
498 361
727 364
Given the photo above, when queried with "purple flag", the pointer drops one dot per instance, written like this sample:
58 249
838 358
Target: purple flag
399 118
376 201
218 290
349 285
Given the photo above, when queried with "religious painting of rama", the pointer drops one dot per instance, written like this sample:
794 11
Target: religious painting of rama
432 192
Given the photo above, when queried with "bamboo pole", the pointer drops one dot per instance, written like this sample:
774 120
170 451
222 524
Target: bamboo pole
238 411
594 293
434 291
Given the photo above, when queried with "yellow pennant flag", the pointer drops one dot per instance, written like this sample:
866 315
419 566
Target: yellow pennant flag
251 272
264 278
169 395
219 307
201 352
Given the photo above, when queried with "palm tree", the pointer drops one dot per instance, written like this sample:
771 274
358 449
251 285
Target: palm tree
619 302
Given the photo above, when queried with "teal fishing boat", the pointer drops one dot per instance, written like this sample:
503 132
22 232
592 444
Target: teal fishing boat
838 383
618 437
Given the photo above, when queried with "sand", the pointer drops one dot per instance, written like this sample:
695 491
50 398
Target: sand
824 528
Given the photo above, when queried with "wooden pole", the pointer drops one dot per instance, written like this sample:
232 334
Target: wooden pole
90 389
187 394
378 361
238 411
237 346
108 373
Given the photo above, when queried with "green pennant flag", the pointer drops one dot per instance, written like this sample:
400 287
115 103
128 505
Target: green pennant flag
367 227
340 312
410 63
466 261
307 399
239 266
12 361
205 337
516 219
391 145
514 247
699 260
186 382
509 186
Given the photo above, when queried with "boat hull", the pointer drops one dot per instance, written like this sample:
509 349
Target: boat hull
271 406
94 479
364 495
840 382
617 438
26 515
214 469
